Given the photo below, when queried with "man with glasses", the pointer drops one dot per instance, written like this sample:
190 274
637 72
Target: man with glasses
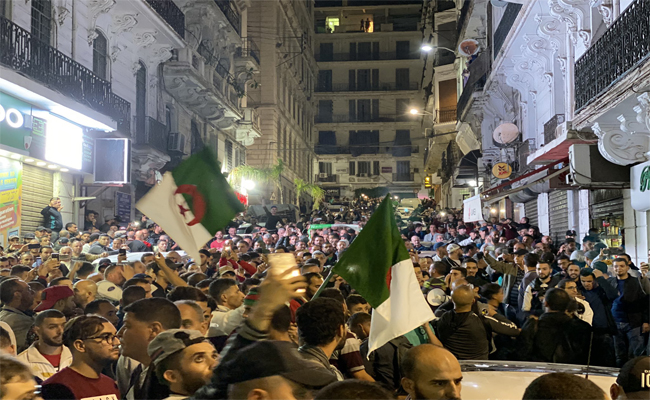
94 345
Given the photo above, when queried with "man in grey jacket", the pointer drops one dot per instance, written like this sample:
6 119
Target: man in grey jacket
17 298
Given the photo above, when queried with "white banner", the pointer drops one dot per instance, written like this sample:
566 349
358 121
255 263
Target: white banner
472 209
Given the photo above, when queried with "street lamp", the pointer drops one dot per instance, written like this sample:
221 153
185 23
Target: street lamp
428 48
415 111
248 184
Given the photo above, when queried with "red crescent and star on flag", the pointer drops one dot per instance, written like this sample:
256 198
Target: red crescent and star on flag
198 203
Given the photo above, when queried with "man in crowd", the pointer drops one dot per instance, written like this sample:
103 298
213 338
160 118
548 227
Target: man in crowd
631 382
230 309
431 372
18 299
600 295
47 355
16 381
103 308
584 311
52 215
59 298
94 346
85 291
535 291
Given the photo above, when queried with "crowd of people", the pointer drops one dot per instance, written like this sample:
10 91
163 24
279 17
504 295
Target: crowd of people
118 310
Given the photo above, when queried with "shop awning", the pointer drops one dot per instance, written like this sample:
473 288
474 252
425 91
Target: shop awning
499 192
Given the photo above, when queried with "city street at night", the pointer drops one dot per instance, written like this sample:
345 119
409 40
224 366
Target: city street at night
324 199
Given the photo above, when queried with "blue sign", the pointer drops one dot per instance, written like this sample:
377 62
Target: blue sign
123 206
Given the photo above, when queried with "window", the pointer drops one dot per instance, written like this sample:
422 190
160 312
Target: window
326 52
403 171
229 160
141 97
364 168
352 79
100 56
402 78
42 20
326 143
402 109
325 111
353 51
363 110
375 168
196 141
402 50
325 168
363 142
363 79
351 167
325 80
375 79
402 144
364 52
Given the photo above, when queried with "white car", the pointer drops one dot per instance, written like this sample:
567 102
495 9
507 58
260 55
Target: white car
509 379
131 257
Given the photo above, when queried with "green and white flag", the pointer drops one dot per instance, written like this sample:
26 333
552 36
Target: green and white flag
192 202
378 266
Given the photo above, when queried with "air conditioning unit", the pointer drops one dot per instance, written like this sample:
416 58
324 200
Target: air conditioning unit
176 142
352 180
323 175
589 169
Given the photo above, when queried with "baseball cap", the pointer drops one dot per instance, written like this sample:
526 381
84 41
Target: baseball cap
51 295
484 229
600 266
438 245
205 252
109 291
171 341
94 236
64 240
40 229
14 236
571 233
269 358
633 374
521 252
452 247
592 254
104 262
226 268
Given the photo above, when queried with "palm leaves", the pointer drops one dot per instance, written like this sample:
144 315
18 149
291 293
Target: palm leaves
259 175
316 193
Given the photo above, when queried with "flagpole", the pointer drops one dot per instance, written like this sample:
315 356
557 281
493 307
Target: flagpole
324 285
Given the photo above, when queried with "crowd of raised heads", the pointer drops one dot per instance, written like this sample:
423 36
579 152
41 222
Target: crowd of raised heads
117 310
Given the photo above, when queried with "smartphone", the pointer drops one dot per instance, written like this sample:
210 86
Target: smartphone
282 262
55 256
33 246
122 252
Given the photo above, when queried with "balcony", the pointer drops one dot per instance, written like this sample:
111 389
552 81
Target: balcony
622 48
249 49
150 132
325 178
508 19
478 71
403 177
446 114
232 15
372 148
462 18
171 14
389 55
379 87
45 64
550 127
343 118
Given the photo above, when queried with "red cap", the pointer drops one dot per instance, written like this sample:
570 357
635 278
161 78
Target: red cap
51 295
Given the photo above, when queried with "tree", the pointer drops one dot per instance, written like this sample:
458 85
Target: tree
271 175
316 193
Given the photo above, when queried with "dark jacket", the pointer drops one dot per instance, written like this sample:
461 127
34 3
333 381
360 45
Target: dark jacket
556 338
632 303
52 219
384 364
600 299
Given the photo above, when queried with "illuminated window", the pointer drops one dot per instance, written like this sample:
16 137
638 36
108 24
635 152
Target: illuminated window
332 23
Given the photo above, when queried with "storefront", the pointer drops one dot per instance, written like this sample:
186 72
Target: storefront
607 215
558 212
43 155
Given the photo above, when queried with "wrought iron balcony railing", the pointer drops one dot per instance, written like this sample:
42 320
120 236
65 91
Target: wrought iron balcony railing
447 114
550 127
171 14
508 19
232 15
478 71
249 49
625 45
331 119
323 178
403 177
150 132
388 55
27 55
377 87
373 148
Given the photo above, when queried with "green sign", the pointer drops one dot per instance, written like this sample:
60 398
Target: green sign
15 118
644 184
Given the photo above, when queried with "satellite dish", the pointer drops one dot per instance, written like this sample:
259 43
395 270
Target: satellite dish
505 133
436 297
468 47
499 3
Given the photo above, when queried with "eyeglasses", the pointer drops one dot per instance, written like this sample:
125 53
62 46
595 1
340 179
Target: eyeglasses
109 338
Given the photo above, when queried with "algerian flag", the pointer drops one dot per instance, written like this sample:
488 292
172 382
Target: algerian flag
192 202
378 266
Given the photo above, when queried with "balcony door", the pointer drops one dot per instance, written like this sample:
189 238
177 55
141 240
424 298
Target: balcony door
403 170
42 20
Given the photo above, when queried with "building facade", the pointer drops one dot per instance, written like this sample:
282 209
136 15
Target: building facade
369 80
282 94
555 109
105 96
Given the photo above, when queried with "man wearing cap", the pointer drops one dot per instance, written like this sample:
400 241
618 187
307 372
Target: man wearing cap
59 298
47 355
183 361
633 381
454 254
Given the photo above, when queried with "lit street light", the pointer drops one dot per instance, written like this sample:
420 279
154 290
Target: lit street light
428 48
